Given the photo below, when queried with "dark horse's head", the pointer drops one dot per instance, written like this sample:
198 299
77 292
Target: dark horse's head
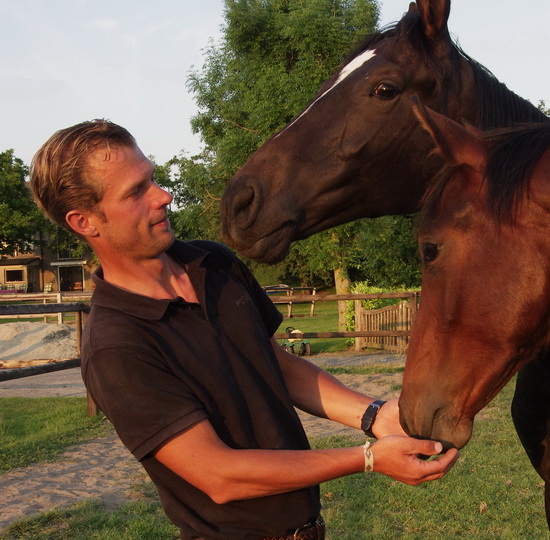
356 150
485 307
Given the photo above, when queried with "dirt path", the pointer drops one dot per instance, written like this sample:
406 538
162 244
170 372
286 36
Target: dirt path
103 469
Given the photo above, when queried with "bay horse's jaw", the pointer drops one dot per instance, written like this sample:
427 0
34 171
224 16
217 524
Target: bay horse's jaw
429 421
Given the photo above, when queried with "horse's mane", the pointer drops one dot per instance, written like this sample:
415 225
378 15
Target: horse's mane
497 106
510 165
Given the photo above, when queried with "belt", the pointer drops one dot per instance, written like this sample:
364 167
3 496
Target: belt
310 531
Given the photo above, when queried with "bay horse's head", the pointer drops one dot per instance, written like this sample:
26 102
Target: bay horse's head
485 246
356 150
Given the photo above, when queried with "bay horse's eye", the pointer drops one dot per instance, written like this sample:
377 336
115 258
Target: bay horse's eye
429 251
386 91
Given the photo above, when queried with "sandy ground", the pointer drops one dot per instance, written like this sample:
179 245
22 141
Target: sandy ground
30 343
102 468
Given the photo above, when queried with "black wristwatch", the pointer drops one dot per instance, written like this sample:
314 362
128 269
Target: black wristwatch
368 418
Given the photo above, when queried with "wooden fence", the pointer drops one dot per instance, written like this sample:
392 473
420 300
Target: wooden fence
398 317
292 298
79 309
32 299
390 331
388 328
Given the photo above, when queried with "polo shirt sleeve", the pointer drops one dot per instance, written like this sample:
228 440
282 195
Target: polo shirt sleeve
146 403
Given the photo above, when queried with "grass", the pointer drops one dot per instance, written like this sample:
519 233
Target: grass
492 492
142 520
325 320
39 429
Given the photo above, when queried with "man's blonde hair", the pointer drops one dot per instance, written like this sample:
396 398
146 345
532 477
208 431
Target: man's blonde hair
58 173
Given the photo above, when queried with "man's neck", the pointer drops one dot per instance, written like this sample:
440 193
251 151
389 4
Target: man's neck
161 278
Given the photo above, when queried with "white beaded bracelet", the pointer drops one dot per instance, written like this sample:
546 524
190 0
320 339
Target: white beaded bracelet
369 458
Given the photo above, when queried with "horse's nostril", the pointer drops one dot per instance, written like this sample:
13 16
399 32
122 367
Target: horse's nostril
246 204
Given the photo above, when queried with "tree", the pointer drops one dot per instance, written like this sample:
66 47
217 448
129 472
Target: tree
273 57
20 218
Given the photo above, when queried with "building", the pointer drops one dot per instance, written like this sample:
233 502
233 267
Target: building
46 270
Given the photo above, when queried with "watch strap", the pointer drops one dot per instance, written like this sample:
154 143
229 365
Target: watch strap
370 415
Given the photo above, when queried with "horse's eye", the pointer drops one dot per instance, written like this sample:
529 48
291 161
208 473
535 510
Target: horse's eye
386 91
429 251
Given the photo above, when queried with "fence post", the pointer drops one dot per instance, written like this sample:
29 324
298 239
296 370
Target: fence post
91 406
290 292
358 324
414 307
401 323
59 315
312 308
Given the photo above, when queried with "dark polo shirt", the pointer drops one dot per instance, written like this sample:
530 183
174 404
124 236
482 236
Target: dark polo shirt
156 367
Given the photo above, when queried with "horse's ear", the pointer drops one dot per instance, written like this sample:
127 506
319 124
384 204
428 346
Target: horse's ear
434 15
458 144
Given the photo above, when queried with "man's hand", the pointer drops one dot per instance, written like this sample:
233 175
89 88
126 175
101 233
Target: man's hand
397 457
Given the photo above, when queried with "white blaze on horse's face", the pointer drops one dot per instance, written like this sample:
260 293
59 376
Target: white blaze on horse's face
346 71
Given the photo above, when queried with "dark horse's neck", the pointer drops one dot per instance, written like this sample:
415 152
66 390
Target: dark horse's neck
497 106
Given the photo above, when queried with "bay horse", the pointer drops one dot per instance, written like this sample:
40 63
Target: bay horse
484 239
356 150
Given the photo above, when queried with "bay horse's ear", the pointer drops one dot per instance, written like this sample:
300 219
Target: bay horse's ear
434 15
458 144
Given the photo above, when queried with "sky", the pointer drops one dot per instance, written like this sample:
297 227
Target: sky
66 61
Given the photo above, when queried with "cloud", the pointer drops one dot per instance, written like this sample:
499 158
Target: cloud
106 25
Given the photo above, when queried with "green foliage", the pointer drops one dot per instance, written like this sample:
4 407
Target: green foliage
390 256
19 216
272 59
542 107
197 189
316 258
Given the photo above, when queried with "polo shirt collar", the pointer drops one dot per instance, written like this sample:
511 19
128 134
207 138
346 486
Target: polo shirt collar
110 296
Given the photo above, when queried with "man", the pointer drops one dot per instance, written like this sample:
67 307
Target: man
178 352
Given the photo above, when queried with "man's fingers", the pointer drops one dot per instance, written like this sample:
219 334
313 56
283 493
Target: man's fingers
428 448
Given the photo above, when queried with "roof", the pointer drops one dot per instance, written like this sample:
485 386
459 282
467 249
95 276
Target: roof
19 261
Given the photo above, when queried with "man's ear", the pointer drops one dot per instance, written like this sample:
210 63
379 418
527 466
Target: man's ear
81 223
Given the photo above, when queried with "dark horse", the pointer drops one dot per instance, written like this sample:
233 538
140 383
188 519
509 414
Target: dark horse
485 243
357 149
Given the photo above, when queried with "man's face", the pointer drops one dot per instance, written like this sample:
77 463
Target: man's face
132 218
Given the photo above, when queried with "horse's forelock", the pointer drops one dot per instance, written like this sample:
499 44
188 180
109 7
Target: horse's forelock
509 168
430 208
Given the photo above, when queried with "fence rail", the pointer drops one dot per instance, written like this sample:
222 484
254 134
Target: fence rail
80 309
390 331
390 326
26 299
